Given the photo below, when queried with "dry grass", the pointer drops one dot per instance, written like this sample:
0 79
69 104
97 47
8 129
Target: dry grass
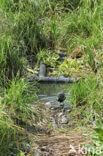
59 145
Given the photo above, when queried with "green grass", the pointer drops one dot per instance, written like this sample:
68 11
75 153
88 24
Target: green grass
81 90
88 94
15 113
50 27
97 137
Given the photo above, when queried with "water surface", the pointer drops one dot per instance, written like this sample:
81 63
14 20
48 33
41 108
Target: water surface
49 92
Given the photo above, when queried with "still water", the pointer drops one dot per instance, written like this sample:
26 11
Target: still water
49 92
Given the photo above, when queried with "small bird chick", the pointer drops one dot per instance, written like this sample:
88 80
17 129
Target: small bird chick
61 97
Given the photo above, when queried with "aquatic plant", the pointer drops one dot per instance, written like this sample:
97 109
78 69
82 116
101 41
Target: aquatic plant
68 67
48 57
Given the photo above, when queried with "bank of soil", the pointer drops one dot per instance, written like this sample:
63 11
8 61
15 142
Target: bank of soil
57 141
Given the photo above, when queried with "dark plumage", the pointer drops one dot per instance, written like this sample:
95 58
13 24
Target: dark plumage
61 97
